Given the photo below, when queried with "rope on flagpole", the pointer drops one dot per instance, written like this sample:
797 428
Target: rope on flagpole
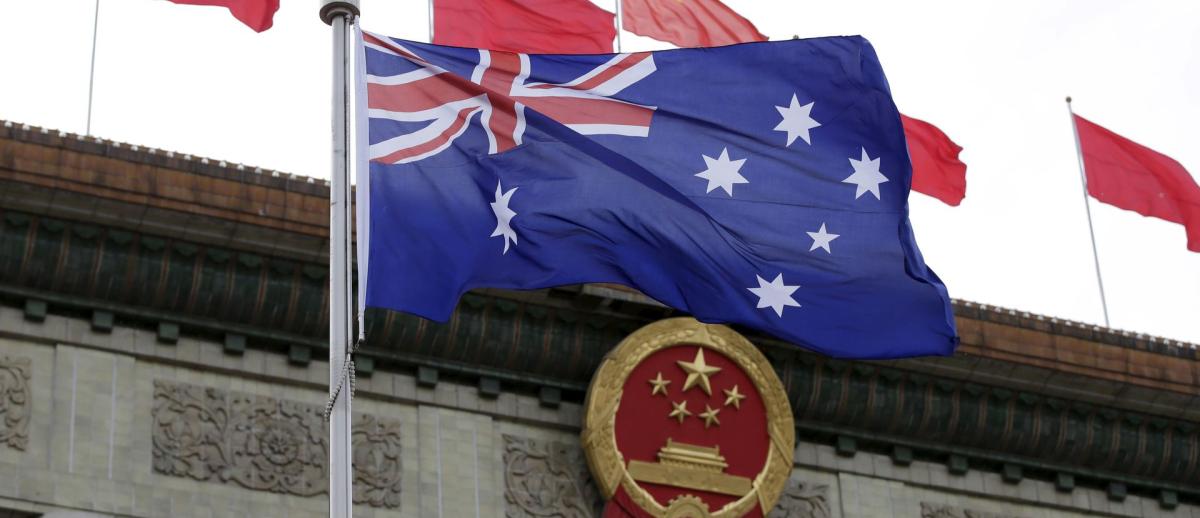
1088 205
347 375
92 69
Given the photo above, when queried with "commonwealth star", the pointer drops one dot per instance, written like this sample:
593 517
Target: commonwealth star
504 216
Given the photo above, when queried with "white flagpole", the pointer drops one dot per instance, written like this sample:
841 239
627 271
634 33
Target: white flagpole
430 21
618 26
92 70
1088 205
340 14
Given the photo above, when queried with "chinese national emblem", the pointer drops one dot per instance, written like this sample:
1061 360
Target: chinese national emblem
688 420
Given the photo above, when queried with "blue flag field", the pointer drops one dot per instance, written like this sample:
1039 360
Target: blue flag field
763 184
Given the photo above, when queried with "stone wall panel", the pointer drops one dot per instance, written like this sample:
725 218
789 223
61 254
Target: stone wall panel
267 444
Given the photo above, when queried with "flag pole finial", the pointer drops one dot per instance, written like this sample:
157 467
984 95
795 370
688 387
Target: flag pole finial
334 8
1068 99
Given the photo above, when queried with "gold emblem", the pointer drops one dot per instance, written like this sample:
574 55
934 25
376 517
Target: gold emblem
689 460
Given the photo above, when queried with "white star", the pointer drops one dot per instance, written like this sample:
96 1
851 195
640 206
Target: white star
797 120
866 175
504 216
722 172
774 294
821 239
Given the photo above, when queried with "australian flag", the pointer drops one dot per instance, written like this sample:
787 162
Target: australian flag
763 184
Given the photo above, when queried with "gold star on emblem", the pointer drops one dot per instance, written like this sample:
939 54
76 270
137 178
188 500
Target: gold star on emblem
710 416
660 385
733 397
679 411
698 372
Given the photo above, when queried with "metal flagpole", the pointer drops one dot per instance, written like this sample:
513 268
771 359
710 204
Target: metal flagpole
1088 205
92 70
618 26
430 21
340 14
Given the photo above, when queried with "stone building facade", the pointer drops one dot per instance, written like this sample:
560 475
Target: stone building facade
162 327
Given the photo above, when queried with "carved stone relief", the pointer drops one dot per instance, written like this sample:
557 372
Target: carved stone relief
267 444
376 445
929 510
14 401
547 479
803 500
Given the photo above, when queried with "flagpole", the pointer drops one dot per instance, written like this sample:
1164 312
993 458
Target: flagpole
340 14
92 69
1087 204
618 26
430 21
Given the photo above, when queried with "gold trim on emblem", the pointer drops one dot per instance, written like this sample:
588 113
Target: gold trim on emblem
703 466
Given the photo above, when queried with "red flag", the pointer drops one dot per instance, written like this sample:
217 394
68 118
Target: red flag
937 171
1131 176
532 26
257 14
687 23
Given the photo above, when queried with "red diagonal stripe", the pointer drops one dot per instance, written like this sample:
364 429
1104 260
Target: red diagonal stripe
573 110
609 73
460 119
423 94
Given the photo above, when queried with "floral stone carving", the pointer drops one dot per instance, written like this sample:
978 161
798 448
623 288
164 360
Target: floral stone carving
803 500
14 401
547 479
267 444
929 510
376 445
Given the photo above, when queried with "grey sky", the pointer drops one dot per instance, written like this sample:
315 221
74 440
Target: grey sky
991 74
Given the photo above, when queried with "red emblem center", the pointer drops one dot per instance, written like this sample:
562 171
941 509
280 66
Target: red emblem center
691 422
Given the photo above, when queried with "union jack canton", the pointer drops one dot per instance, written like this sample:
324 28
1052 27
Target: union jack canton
499 90
763 184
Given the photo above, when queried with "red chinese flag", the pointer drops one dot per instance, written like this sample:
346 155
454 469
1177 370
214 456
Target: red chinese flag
256 14
531 26
1131 176
937 171
687 23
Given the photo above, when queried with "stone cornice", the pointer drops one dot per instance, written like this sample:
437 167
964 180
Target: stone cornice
71 161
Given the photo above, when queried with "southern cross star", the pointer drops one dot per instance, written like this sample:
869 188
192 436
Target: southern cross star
797 120
821 239
775 294
504 216
866 175
722 172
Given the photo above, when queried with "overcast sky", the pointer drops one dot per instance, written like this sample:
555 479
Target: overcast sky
992 75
